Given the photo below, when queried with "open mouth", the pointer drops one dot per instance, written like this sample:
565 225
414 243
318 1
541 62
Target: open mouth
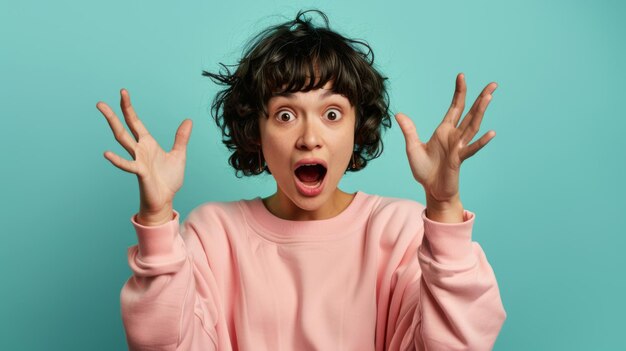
311 174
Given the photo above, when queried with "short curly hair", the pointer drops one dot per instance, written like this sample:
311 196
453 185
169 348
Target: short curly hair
281 59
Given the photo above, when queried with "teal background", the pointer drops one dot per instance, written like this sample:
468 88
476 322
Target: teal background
548 191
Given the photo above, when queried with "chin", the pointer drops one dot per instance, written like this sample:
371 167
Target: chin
306 201
310 203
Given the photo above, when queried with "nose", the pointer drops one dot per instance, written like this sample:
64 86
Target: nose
310 138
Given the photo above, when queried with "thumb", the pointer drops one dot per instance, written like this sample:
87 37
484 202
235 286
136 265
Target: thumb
408 129
182 136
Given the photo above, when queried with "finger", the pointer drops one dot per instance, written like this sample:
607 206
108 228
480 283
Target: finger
120 133
475 121
120 163
458 101
130 116
408 130
182 136
488 90
471 149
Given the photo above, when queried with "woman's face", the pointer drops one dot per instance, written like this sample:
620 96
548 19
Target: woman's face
307 143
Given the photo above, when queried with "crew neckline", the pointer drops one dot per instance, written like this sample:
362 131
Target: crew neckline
281 230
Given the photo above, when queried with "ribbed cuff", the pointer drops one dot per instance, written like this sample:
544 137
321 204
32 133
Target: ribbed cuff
158 244
450 243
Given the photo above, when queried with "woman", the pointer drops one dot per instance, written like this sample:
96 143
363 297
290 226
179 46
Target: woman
310 267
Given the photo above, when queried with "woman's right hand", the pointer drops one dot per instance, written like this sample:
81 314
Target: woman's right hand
160 174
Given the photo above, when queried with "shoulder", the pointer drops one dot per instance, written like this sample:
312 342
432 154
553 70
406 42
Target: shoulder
214 226
212 218
396 222
388 208
214 210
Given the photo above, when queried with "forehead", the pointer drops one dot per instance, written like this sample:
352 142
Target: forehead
323 93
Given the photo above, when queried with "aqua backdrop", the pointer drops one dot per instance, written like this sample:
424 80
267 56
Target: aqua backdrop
548 191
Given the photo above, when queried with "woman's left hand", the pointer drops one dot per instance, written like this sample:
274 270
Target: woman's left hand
436 164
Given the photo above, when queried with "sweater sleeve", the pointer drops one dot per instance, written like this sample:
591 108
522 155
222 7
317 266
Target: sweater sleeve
454 304
169 301
460 308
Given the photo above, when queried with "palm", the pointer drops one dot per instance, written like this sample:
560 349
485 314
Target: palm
160 174
436 164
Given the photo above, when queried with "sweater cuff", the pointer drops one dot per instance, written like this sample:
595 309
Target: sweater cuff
158 244
450 243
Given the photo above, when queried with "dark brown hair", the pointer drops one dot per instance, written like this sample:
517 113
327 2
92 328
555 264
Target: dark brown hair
282 59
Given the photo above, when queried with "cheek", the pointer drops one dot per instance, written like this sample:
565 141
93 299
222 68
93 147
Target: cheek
349 147
343 153
275 152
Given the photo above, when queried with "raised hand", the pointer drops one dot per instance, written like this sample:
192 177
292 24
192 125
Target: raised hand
436 164
160 174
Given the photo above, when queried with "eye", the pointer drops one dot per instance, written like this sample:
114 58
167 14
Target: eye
284 116
333 114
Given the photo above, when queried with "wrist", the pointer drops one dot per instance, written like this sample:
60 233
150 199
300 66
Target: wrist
448 211
155 217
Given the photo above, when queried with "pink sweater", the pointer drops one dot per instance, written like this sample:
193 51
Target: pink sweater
379 276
